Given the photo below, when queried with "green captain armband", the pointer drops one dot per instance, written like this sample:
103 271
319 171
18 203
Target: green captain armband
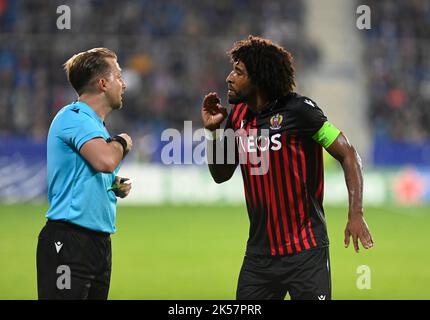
326 135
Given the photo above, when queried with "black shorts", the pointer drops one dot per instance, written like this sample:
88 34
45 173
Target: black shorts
305 276
73 262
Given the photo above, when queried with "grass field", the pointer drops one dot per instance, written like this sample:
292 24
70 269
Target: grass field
195 252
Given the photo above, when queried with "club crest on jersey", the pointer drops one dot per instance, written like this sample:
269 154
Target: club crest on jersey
276 121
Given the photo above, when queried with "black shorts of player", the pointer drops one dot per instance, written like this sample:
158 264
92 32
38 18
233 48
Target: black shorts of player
305 276
73 263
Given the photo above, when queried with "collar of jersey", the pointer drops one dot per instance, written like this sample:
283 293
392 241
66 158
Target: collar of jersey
87 110
274 108
262 118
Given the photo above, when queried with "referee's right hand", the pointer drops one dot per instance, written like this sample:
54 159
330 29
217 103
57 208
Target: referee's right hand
127 138
213 113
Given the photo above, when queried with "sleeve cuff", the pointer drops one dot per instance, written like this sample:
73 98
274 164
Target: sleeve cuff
88 137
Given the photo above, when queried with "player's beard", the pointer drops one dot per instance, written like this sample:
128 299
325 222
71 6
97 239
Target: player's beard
237 98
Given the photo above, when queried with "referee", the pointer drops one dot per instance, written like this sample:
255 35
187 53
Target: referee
284 133
74 247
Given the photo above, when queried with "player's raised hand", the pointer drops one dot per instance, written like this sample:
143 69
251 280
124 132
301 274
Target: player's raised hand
213 113
357 229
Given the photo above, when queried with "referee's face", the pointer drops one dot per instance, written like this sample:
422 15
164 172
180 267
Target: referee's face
115 85
239 84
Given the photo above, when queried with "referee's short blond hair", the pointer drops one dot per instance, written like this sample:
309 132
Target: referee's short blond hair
84 67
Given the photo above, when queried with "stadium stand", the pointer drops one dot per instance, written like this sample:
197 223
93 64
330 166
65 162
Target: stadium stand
172 53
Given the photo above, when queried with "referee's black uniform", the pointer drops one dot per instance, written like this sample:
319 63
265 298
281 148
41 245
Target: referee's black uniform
73 262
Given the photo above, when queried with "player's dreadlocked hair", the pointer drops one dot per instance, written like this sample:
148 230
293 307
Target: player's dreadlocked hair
270 67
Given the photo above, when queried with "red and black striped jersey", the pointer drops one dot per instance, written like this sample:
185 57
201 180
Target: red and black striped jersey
283 176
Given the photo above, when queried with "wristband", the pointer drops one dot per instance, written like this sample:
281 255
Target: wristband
123 143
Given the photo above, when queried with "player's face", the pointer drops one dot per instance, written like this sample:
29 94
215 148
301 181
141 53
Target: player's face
115 85
239 84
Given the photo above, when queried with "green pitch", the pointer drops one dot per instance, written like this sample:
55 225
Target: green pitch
196 252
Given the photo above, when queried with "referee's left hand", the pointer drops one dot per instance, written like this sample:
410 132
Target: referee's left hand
123 189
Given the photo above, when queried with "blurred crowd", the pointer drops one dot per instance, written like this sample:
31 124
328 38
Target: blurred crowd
398 68
172 53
